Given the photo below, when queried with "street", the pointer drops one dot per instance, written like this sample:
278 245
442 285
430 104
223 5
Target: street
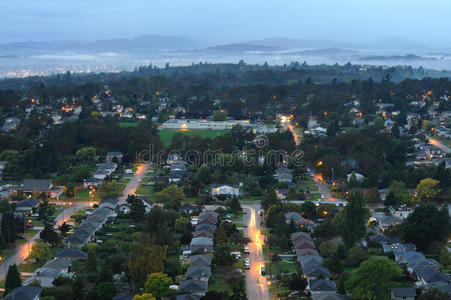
23 250
257 286
133 184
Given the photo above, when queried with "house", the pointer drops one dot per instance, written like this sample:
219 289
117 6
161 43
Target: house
303 244
199 272
148 204
313 272
188 208
124 208
101 174
283 175
306 251
41 186
111 155
27 205
359 177
25 293
310 260
224 189
193 286
202 244
200 260
108 203
208 233
89 182
11 123
45 276
70 253
429 275
401 211
386 221
405 293
298 219
316 286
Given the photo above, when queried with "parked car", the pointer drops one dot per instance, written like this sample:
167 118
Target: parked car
246 260
263 271
247 266
128 171
246 250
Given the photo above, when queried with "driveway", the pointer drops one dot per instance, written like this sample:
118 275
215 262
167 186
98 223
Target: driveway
257 286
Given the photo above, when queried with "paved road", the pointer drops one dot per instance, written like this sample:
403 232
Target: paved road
322 185
133 184
22 251
257 286
438 144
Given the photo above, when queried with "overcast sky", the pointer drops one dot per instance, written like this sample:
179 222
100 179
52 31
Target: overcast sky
222 21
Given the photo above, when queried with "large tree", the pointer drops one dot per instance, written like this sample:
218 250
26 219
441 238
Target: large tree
428 189
109 189
12 279
158 284
354 216
425 225
372 279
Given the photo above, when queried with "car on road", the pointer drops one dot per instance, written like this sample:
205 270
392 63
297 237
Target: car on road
246 260
263 271
247 266
322 197
246 250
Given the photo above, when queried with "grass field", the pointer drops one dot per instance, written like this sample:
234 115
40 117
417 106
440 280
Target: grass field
144 190
167 134
128 124
445 141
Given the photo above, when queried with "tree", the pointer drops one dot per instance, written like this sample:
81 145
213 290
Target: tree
203 175
334 263
433 294
64 228
137 209
425 225
181 223
49 235
327 248
109 189
309 210
40 251
222 255
284 243
170 196
2 242
81 172
221 235
355 256
397 193
270 198
235 205
91 261
428 189
145 259
12 279
239 291
354 216
218 116
145 296
158 284
372 279
9 227
106 290
86 154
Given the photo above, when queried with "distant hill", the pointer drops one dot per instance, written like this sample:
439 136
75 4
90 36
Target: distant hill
401 44
140 43
242 48
300 43
324 52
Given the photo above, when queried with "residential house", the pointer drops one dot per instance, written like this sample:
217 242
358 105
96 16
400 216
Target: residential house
202 244
429 275
108 203
207 232
45 186
90 182
316 286
313 272
111 155
386 221
124 208
25 293
188 208
298 219
193 286
283 175
404 293
401 211
27 205
10 124
199 272
187 297
45 276
225 189
310 260
200 260
70 253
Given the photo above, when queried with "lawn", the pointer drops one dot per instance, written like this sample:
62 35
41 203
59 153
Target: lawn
252 198
31 233
283 266
167 134
128 124
29 267
315 196
218 282
144 190
445 141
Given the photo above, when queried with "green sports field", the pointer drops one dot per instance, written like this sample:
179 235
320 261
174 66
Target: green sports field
167 134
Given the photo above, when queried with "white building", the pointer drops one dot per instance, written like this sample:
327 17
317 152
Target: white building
225 189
